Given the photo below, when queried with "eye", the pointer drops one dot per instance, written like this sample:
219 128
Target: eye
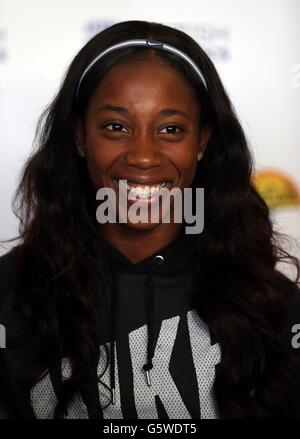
115 124
172 127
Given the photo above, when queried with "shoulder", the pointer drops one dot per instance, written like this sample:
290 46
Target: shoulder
8 408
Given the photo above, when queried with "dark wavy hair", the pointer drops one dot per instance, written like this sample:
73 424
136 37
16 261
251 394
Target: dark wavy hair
60 271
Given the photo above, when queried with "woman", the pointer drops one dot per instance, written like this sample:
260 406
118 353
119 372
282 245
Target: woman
133 319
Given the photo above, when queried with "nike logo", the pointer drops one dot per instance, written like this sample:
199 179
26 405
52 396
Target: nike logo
165 386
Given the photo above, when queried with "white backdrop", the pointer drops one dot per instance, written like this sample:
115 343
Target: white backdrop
255 46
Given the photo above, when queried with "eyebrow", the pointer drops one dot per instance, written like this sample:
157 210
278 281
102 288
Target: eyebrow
164 112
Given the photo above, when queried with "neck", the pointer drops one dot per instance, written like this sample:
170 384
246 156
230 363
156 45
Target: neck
135 244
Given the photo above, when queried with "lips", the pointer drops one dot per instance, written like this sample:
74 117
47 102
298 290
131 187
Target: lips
142 188
142 180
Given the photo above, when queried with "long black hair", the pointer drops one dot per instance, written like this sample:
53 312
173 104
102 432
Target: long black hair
59 274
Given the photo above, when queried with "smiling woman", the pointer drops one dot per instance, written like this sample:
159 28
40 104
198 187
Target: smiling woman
191 326
155 146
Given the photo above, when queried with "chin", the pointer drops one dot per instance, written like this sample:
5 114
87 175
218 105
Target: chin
123 218
139 225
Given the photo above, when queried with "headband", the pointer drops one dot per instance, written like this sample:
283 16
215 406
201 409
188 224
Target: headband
143 43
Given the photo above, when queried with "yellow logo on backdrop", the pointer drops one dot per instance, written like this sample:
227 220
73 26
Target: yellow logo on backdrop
276 188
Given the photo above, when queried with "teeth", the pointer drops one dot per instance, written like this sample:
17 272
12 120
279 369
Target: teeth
142 191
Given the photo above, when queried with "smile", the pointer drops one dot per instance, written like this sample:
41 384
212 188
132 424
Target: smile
139 190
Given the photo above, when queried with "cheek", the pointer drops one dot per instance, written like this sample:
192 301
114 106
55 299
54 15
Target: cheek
186 165
96 172
99 160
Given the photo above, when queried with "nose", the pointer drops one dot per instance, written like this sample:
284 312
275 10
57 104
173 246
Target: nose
143 154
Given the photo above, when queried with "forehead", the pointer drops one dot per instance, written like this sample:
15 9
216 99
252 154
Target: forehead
145 81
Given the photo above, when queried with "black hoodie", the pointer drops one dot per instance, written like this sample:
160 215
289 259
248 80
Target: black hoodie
162 355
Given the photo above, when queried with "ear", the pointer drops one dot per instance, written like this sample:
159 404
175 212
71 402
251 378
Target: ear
79 133
204 135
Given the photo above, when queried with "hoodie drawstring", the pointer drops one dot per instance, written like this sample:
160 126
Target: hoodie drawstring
156 261
113 334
